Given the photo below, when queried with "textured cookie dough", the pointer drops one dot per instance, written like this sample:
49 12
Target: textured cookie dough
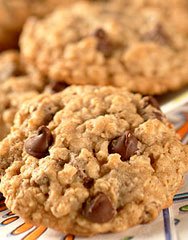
91 160
10 65
13 92
111 44
13 14
15 88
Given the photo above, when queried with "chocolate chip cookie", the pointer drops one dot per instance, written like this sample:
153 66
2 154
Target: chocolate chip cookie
13 93
90 160
15 87
113 45
13 14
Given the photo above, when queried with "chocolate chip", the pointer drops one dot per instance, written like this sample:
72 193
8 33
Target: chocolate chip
58 86
104 44
37 146
99 209
158 115
151 101
125 145
1 197
100 33
157 35
88 182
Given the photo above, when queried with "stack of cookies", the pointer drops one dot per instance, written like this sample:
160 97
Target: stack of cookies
85 148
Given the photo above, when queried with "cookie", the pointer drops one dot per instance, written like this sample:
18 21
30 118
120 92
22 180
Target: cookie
13 93
13 14
10 65
91 160
15 87
112 45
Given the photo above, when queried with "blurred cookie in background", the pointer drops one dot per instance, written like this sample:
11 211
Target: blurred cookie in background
105 43
13 14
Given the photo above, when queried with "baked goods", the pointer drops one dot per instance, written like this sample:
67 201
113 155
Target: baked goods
15 87
107 44
13 14
13 93
90 160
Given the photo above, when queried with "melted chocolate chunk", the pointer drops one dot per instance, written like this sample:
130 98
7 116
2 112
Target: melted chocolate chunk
38 145
104 44
151 101
58 86
1 197
100 33
99 209
125 145
88 182
158 115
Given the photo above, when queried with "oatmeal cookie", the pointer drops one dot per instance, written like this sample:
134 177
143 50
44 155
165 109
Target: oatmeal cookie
107 44
91 160
13 92
17 86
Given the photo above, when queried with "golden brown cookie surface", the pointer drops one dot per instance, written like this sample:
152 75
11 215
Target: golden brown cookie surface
91 160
